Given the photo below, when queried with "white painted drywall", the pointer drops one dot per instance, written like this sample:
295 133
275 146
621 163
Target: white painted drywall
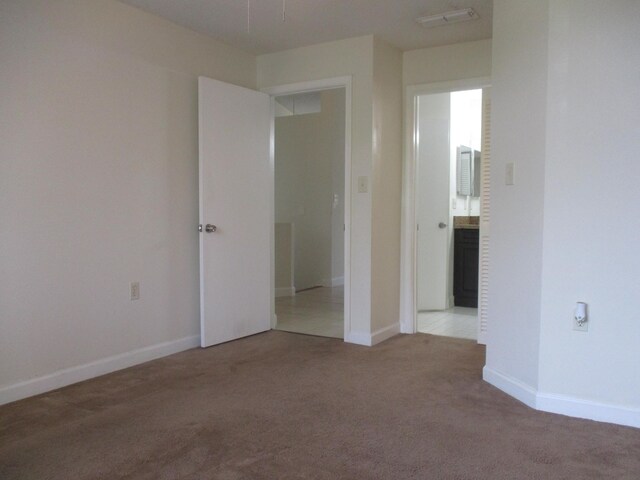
519 80
449 62
590 246
565 95
386 187
432 201
98 180
328 60
309 157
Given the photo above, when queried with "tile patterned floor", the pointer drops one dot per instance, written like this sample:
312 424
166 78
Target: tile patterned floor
319 311
459 322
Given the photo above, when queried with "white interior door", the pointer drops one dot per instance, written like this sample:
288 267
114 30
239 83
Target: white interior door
432 194
235 176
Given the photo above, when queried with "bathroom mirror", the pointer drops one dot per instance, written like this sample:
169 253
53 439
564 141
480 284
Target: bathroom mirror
468 171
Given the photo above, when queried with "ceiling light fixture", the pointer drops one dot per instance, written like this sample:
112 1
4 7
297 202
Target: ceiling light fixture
448 18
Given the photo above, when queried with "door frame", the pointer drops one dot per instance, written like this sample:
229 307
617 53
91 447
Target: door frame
305 87
408 234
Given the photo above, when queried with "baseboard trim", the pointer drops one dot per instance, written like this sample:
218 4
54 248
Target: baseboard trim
511 386
562 404
332 282
68 376
285 292
577 407
371 339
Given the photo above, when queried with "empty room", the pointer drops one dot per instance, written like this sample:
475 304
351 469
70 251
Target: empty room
228 249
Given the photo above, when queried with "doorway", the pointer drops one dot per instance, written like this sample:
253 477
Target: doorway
448 212
445 219
309 212
311 155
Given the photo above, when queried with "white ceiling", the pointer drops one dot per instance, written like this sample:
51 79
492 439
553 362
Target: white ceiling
315 21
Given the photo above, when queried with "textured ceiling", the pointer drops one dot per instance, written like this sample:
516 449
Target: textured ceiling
315 21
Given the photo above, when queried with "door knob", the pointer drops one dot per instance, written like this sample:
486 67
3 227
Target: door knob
210 228
442 225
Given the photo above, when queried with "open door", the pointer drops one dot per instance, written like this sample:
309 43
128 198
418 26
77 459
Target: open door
432 201
235 215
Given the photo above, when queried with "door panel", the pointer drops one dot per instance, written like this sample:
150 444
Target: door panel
433 174
235 259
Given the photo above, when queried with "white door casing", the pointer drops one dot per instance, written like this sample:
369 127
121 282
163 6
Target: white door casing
314 86
235 176
409 240
485 218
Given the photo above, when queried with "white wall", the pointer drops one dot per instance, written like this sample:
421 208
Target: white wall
98 182
565 95
518 135
449 62
309 164
334 59
590 246
386 187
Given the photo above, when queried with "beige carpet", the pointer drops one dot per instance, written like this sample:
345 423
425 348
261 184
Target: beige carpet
287 406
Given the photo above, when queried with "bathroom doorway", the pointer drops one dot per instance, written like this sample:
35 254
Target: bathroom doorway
450 156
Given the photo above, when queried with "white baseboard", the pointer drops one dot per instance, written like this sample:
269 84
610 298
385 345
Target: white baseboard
371 339
68 376
511 386
577 407
562 404
285 292
332 282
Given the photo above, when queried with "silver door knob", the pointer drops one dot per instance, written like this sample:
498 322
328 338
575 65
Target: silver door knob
442 225
210 228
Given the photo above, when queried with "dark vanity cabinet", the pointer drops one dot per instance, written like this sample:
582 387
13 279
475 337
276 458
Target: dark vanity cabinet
465 267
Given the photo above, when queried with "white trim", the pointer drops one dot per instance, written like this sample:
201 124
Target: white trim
79 373
311 86
285 292
408 292
511 386
562 404
371 339
332 282
577 407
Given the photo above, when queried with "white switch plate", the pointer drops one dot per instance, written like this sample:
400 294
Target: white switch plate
134 288
509 174
363 184
454 203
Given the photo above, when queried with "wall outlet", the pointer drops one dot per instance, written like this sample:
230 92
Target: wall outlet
134 290
580 319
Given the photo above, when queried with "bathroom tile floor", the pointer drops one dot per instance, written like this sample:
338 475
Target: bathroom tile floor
458 322
317 311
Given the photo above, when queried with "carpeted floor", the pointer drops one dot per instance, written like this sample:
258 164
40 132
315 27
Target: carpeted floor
287 406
